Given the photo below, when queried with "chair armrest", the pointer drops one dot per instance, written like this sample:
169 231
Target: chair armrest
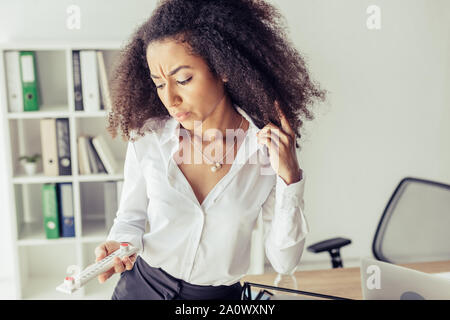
329 244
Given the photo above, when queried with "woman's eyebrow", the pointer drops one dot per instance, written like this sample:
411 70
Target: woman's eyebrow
171 73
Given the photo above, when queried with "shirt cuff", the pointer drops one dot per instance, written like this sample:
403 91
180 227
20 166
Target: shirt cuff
289 196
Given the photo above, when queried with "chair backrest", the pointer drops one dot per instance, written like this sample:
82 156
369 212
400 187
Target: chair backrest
415 225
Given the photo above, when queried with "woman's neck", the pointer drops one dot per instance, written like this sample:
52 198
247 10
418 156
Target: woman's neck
224 117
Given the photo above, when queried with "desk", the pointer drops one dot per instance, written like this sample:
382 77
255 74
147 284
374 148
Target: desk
341 282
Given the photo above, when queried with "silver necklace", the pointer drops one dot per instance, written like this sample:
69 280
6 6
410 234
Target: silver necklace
217 164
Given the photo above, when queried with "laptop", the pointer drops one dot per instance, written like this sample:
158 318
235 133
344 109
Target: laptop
385 281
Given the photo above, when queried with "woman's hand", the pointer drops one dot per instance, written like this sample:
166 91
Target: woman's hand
105 249
281 145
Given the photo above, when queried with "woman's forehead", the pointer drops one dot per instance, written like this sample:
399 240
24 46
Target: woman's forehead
170 54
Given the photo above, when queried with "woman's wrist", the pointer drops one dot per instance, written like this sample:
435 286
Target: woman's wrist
294 178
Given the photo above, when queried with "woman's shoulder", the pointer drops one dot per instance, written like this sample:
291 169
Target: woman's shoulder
155 124
151 126
150 133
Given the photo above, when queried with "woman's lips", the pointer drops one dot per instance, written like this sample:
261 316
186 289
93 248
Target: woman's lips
182 115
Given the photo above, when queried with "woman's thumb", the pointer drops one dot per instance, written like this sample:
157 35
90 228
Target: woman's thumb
100 253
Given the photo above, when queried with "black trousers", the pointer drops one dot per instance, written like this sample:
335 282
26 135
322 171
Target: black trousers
145 282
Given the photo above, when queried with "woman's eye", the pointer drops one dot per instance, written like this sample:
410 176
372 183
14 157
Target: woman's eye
180 82
185 81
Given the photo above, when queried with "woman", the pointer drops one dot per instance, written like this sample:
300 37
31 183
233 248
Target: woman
211 97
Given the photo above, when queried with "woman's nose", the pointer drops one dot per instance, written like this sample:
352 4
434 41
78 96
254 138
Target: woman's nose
172 97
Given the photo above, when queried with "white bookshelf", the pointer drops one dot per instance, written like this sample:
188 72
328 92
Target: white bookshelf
40 264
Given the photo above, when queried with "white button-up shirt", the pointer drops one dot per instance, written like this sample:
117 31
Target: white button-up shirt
207 243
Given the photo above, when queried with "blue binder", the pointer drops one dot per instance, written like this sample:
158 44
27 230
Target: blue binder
66 211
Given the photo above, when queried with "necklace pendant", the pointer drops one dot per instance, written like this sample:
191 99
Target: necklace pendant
216 167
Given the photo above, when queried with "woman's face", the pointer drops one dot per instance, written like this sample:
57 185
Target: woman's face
184 82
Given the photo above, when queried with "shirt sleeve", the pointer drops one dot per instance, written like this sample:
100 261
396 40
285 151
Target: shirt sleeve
131 217
285 226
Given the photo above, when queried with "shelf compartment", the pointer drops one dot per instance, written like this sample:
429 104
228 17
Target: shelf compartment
92 127
30 218
26 139
99 203
51 77
37 263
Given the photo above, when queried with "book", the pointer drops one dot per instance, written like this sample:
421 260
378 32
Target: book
105 154
91 156
99 165
77 84
103 78
14 81
50 210
29 81
63 146
89 80
83 157
49 147
65 209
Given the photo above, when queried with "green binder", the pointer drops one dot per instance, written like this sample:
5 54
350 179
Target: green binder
50 210
28 76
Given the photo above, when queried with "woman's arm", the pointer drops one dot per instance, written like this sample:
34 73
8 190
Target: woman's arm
129 224
285 226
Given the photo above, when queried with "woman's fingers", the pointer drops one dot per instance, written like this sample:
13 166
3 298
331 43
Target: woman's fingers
105 275
280 135
128 263
270 139
119 266
100 252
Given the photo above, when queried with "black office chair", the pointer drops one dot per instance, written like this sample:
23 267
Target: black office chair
414 227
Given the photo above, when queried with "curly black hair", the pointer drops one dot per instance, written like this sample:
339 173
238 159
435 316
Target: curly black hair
243 41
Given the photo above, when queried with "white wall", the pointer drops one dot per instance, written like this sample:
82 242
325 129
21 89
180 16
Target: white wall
46 19
387 115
